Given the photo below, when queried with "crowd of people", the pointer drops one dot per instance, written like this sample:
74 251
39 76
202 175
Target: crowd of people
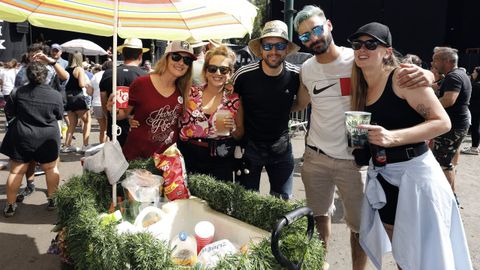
193 96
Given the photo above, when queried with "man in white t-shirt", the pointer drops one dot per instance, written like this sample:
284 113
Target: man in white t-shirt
328 162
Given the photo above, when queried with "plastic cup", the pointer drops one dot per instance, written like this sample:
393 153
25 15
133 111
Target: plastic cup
219 123
122 97
204 232
357 137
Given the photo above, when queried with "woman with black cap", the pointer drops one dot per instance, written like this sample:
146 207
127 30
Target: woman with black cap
406 188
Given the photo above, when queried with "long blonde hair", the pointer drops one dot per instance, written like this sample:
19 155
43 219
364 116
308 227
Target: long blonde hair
360 86
75 59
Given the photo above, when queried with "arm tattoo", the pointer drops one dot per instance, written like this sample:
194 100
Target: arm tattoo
423 111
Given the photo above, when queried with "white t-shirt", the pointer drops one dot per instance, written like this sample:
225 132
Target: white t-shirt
8 77
329 89
97 77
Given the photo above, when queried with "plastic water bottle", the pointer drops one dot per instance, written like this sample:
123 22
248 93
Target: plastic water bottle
184 249
64 130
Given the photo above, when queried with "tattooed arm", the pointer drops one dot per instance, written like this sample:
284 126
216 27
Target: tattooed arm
424 101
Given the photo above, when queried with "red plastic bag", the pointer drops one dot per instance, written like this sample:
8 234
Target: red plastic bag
172 165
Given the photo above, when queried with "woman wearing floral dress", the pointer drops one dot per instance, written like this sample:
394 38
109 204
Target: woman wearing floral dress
204 150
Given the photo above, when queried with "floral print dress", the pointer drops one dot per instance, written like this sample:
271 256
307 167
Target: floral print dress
195 123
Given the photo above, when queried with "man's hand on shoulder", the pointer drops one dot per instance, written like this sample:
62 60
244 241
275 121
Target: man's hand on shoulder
412 76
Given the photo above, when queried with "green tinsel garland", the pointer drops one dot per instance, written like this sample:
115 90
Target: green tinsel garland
91 245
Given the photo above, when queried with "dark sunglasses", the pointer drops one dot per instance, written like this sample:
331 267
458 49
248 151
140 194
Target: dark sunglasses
370 44
187 60
280 46
213 69
317 31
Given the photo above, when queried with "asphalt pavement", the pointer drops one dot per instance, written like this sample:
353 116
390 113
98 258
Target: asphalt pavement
25 238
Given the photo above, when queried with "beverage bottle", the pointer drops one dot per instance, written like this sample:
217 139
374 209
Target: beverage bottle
379 155
184 249
64 129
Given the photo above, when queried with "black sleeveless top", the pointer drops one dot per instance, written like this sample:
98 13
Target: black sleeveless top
72 87
392 112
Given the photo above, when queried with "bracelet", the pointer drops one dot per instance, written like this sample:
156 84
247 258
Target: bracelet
52 63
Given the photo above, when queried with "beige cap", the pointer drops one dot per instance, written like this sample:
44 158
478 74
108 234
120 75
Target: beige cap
180 46
134 43
274 28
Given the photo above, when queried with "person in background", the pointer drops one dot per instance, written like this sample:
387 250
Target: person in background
97 102
474 108
132 51
199 49
156 103
34 134
37 52
7 78
199 139
147 66
56 53
412 59
267 90
418 210
78 102
454 94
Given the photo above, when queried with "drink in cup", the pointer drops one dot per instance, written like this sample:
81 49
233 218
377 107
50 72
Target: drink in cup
357 137
219 123
122 97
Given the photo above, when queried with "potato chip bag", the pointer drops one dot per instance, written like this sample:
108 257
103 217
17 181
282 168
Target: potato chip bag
171 163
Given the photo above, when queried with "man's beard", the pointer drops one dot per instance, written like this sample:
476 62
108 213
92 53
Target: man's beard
323 48
274 65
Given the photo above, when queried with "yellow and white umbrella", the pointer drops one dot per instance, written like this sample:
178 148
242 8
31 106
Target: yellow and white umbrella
151 19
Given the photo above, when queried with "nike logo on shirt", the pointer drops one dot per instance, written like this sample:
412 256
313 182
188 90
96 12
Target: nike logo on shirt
318 91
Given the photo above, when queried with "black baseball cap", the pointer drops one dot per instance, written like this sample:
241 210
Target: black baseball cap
376 30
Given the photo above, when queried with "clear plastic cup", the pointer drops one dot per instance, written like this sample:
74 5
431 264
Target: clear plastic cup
357 137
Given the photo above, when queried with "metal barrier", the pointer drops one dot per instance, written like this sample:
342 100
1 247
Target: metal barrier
298 122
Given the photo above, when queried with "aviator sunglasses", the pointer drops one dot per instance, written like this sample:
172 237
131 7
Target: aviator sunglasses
213 69
370 44
186 59
317 31
280 46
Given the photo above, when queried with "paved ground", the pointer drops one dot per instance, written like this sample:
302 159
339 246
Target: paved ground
25 238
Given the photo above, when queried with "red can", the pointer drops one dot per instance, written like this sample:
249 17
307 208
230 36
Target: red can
122 97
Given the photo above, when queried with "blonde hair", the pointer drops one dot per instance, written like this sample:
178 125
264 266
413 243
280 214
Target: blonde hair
220 50
183 83
360 86
75 60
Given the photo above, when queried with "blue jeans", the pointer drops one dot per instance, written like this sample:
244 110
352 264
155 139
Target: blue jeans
279 168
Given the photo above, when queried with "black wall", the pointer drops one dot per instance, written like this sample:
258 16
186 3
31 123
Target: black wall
417 26
15 41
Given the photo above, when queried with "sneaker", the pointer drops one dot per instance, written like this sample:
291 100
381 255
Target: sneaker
470 151
69 149
9 210
85 148
27 191
38 171
51 205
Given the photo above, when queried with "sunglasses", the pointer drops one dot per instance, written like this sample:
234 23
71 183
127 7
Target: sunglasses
213 69
317 31
186 59
280 46
370 44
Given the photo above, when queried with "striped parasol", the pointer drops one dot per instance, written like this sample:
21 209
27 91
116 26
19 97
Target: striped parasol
152 19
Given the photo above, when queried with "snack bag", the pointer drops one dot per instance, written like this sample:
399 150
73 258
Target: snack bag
172 165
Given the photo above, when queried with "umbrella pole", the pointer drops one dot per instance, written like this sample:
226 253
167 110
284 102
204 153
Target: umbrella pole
114 90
